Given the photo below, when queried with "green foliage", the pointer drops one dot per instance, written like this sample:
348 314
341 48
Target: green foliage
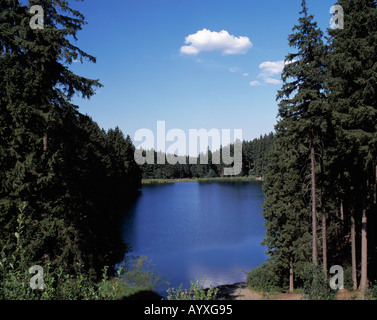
120 287
324 149
60 285
196 292
348 283
302 124
352 77
254 162
200 180
316 285
372 292
263 278
139 273
74 176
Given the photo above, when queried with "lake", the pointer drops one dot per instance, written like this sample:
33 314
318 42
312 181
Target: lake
198 230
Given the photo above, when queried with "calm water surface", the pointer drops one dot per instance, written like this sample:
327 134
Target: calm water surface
198 230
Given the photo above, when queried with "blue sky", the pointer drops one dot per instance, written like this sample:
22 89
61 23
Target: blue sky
215 79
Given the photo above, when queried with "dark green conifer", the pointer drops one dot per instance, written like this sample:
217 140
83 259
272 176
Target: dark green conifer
353 86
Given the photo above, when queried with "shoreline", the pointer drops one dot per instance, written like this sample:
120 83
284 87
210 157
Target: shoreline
230 291
240 291
201 180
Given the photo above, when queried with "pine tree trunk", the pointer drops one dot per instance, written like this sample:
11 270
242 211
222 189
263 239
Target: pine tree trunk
341 212
324 225
375 200
314 213
353 249
324 241
364 251
291 276
45 142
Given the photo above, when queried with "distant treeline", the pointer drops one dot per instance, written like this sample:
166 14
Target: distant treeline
254 161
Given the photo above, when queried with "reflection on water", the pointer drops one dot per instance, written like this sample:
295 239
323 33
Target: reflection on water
198 230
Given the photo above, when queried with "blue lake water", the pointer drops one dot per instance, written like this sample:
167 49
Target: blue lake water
198 230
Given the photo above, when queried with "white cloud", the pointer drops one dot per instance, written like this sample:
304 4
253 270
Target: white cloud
206 40
271 81
255 83
245 74
271 69
189 50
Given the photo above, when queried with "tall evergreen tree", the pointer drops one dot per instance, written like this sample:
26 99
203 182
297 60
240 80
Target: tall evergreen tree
285 212
353 85
52 157
328 124
302 98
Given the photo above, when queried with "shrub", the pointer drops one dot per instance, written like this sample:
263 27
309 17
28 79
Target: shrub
15 277
263 278
372 292
58 284
139 273
348 283
196 292
316 286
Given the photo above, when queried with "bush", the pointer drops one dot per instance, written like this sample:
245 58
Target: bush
372 292
57 284
60 285
15 276
316 286
196 292
263 278
348 282
139 273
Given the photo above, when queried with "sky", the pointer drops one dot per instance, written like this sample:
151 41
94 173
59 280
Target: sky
191 63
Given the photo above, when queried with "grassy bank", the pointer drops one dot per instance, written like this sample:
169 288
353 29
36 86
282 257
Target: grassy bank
222 180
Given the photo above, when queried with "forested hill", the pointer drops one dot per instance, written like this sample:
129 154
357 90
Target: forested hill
254 162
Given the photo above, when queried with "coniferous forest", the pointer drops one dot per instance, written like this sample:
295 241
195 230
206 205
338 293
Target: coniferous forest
320 183
65 182
254 162
63 179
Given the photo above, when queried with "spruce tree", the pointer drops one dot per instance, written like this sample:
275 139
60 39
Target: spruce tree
285 212
326 134
302 107
353 86
52 157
